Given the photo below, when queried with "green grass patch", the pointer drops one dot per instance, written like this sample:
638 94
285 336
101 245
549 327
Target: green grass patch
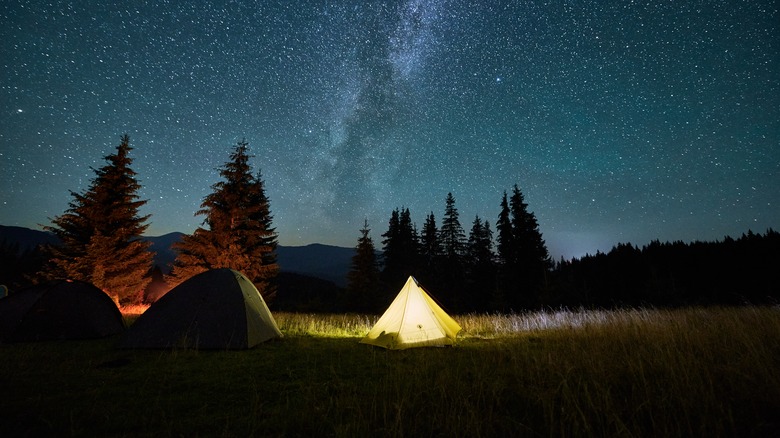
693 372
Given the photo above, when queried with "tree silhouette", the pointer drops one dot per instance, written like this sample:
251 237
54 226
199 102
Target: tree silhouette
506 247
430 252
100 232
451 234
363 279
672 274
480 266
238 233
453 240
400 249
430 246
523 257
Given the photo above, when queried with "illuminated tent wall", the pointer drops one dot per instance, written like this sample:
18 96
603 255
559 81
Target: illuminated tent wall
412 320
217 309
59 310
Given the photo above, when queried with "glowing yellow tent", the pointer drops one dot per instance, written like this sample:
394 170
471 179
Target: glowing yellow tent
412 320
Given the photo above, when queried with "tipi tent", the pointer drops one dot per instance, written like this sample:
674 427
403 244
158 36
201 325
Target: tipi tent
59 310
217 309
412 320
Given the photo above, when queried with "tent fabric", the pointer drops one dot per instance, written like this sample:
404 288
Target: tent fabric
217 309
57 311
412 320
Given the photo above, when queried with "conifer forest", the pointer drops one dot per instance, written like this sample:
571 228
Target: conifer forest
492 263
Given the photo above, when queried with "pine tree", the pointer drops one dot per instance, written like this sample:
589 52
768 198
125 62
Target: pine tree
452 277
363 278
391 251
238 234
101 232
451 234
530 245
400 250
480 243
430 252
410 242
506 275
430 247
480 266
505 246
524 260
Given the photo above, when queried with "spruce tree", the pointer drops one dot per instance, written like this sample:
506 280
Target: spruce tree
480 242
531 249
480 266
451 233
238 232
363 278
430 253
400 250
505 245
523 257
409 242
391 251
101 232
430 247
506 275
453 240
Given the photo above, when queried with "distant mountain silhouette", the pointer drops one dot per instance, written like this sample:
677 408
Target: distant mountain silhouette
331 263
316 260
26 238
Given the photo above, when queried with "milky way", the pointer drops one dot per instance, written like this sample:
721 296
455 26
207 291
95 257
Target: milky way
621 121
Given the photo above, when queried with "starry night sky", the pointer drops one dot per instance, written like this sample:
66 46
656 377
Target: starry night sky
621 121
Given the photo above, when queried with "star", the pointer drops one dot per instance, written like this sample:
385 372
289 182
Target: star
620 122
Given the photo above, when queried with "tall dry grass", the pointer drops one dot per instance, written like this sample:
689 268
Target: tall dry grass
324 325
684 372
641 372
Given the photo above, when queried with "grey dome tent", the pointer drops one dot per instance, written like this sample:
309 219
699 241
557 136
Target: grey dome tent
216 309
59 310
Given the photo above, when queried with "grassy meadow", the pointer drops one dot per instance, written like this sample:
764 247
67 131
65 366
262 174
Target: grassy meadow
688 372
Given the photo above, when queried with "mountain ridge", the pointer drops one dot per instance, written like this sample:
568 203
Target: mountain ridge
327 262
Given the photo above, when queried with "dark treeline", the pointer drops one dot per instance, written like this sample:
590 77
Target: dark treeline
511 270
727 272
465 271
488 266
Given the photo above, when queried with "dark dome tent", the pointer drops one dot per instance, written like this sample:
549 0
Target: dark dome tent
217 309
59 310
